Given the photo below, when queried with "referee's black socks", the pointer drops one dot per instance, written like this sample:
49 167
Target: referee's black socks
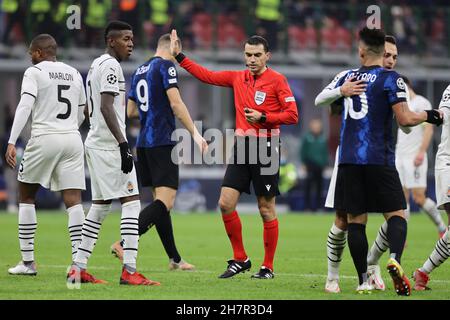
396 234
357 243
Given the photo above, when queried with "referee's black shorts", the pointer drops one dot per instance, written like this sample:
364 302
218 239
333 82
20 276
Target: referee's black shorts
262 171
368 188
155 167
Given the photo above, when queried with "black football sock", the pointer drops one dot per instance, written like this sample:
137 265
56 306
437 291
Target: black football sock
396 234
148 216
357 243
165 231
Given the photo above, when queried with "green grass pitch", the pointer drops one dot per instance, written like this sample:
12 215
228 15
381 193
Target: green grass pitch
300 262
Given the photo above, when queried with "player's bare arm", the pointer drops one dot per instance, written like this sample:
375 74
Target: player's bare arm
405 117
427 136
110 117
181 112
132 109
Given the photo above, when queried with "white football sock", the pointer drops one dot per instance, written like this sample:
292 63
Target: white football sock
440 253
91 228
430 208
129 230
336 241
27 229
379 247
75 224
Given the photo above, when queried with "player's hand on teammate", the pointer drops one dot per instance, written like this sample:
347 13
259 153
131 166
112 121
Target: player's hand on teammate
435 117
127 157
252 115
10 155
353 88
175 44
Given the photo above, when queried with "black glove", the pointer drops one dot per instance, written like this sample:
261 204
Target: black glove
127 157
434 117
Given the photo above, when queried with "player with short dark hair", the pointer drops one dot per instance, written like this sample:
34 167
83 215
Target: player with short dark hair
109 158
367 180
263 102
154 97
53 94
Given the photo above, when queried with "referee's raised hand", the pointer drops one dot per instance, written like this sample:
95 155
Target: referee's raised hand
175 43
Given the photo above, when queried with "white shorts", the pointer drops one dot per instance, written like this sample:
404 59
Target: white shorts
55 161
329 202
442 178
411 176
107 179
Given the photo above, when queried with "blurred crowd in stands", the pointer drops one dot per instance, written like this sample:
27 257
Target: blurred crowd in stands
421 26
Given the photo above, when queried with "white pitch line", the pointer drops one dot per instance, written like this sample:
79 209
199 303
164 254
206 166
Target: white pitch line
299 275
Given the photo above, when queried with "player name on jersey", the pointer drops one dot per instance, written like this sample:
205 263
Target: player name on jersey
60 76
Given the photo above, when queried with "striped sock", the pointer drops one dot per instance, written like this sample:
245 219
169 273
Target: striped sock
90 230
233 226
432 211
270 242
27 229
379 247
129 230
76 220
440 253
336 241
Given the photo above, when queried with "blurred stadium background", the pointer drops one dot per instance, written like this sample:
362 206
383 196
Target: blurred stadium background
311 41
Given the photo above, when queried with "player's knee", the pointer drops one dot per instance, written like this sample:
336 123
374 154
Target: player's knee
266 211
225 205
341 220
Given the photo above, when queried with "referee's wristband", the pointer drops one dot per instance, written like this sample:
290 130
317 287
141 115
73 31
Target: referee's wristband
180 57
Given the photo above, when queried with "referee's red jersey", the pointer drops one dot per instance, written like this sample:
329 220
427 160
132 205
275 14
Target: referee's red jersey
268 93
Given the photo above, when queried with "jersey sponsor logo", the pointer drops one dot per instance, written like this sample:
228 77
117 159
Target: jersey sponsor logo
289 99
172 72
111 78
130 186
401 83
171 81
260 97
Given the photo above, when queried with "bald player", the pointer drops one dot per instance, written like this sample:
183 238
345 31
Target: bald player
52 92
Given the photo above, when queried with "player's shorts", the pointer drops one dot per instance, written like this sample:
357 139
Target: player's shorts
368 188
329 201
411 176
251 167
107 179
442 178
55 161
155 167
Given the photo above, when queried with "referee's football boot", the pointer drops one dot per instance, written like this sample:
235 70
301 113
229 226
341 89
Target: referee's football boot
401 282
235 267
263 273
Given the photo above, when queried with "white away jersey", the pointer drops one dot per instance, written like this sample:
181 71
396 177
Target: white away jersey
105 75
443 153
58 91
408 145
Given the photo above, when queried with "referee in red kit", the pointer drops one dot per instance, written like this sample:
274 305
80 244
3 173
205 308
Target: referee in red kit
263 102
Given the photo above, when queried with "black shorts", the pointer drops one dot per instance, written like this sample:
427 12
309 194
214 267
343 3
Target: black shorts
257 165
368 188
155 167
